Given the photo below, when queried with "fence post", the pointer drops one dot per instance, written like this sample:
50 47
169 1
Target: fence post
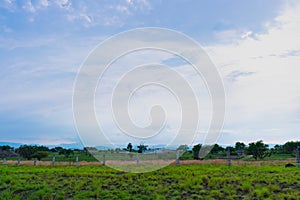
77 159
34 162
103 162
137 159
228 157
177 157
4 161
19 161
53 160
298 157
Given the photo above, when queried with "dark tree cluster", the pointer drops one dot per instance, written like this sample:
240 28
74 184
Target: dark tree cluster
39 152
62 151
7 151
33 151
258 150
140 148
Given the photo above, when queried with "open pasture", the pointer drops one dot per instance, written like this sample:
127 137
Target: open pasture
205 181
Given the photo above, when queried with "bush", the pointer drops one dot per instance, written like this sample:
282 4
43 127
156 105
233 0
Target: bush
40 154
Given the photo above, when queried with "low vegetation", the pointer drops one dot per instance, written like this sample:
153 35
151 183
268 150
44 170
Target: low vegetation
253 151
172 182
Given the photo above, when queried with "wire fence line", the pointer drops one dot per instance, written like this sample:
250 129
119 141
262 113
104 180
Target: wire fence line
111 158
298 157
108 158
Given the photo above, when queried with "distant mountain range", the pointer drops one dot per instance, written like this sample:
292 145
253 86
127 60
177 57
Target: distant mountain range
15 145
66 146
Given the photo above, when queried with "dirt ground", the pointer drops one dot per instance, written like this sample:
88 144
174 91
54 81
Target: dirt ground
160 162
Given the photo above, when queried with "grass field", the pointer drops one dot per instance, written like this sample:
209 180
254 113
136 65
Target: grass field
203 181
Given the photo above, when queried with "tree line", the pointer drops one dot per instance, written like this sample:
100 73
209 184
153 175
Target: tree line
257 150
34 151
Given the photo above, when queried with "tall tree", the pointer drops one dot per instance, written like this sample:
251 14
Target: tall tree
240 146
129 147
259 150
66 152
290 147
217 149
26 151
278 149
196 150
142 148
40 154
6 148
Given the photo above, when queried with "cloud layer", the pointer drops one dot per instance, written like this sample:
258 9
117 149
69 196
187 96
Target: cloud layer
43 43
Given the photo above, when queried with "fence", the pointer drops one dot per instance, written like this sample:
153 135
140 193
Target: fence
298 157
128 158
109 158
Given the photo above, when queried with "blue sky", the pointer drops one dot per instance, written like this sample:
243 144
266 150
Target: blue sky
254 45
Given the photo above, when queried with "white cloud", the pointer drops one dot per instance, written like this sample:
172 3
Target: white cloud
44 3
66 4
247 34
260 70
146 97
129 1
139 4
122 9
261 74
29 7
9 5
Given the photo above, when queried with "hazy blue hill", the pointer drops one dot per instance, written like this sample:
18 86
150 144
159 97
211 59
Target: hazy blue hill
15 145
67 146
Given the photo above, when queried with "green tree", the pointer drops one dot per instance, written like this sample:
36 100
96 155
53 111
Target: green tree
290 147
6 151
26 151
66 152
217 149
40 154
43 148
58 149
259 150
239 146
196 150
278 149
231 149
142 148
86 150
129 147
6 148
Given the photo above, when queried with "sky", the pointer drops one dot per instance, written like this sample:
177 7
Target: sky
254 45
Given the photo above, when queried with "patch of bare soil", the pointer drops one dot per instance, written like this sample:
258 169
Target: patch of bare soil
160 162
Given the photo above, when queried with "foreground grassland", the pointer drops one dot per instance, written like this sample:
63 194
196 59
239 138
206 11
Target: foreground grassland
173 182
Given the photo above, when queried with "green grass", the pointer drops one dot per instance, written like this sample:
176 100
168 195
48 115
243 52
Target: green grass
172 182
